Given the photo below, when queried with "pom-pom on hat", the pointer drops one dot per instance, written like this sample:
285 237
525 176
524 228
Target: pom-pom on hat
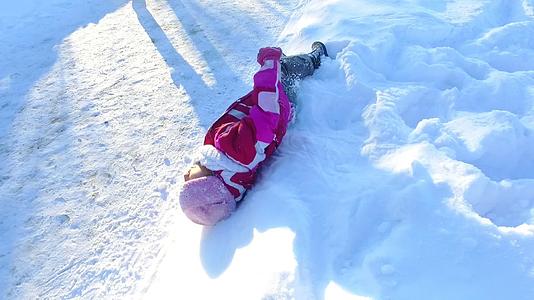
206 200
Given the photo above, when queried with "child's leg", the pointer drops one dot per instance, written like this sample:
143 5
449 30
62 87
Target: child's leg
294 68
297 66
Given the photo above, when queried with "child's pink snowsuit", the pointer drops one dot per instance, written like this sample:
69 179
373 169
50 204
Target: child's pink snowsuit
250 130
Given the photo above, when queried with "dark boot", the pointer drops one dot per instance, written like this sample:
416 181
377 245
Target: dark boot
318 50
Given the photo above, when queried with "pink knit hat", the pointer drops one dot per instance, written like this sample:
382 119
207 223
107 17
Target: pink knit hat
206 200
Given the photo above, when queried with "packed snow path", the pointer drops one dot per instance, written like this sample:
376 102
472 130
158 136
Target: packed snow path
407 175
101 101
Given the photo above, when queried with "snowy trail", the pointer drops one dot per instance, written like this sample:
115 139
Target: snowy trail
95 131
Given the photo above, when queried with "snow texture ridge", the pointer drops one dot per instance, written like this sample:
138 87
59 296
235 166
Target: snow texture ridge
445 89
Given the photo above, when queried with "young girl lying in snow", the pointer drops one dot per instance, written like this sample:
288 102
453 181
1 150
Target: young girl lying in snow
247 134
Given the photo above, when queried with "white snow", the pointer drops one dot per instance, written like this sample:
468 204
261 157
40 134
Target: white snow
408 173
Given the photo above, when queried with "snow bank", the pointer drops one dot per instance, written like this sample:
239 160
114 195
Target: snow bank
413 150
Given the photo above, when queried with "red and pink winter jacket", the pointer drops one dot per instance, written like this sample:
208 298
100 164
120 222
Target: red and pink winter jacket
250 130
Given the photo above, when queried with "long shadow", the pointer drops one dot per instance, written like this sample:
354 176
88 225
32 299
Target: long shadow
229 41
222 71
182 74
253 34
204 98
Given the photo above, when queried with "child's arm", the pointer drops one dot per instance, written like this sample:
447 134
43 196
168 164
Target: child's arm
245 141
266 112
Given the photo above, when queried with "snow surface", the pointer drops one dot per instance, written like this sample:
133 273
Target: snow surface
409 173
